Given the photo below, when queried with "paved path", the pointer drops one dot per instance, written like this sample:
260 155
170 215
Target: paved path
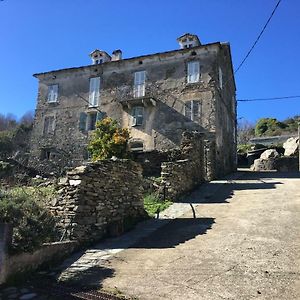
244 244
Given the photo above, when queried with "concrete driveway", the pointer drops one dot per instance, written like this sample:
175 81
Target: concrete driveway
244 244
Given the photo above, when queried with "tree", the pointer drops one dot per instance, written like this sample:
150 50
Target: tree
27 118
245 131
108 140
269 126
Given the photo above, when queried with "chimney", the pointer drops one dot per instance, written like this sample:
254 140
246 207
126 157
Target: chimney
116 55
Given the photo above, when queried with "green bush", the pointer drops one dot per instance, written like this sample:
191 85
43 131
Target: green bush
32 223
108 140
6 143
243 148
153 204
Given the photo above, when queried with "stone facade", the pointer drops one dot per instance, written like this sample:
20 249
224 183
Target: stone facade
99 199
168 102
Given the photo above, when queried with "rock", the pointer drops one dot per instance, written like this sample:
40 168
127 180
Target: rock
28 296
291 146
271 153
74 182
263 164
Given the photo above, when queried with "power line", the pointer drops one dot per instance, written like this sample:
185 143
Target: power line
268 99
259 36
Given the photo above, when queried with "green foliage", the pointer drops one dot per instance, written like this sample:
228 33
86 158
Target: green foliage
153 204
243 148
269 126
272 127
108 140
32 223
6 143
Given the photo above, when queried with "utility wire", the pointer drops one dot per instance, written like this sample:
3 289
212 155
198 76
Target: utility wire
268 99
259 36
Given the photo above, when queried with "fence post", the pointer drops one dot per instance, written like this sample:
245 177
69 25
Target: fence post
5 241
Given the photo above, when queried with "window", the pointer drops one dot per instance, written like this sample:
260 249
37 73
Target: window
94 91
139 84
49 125
192 110
45 154
52 93
136 146
220 78
91 121
193 71
137 115
87 121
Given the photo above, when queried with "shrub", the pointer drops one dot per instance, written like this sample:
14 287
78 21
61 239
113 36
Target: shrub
153 204
32 223
108 140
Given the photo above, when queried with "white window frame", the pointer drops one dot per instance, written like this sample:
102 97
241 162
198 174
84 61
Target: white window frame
139 84
193 71
137 116
220 78
52 93
94 93
194 111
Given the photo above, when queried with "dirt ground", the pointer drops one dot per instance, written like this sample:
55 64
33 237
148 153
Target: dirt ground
244 244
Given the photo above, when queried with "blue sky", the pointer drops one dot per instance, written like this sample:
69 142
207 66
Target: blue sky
44 35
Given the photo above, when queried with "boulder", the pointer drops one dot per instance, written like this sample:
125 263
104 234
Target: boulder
271 153
263 164
291 146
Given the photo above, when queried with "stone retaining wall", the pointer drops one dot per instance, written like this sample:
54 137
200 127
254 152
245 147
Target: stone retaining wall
182 176
18 264
100 199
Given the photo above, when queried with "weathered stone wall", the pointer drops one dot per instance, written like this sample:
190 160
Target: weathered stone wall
23 263
225 130
151 160
164 119
100 199
182 176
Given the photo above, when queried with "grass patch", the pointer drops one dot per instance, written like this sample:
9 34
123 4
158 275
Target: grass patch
153 204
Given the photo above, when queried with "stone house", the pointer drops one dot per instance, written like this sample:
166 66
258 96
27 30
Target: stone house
157 96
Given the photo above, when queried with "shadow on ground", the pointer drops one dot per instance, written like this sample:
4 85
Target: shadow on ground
221 192
176 232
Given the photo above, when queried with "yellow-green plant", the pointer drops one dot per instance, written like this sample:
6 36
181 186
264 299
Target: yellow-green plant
108 140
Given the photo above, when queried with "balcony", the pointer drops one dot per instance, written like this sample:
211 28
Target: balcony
140 101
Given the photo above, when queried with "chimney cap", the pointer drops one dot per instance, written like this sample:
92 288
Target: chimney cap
97 51
116 51
189 35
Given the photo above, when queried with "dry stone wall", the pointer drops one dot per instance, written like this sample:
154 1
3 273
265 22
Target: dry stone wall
100 199
183 175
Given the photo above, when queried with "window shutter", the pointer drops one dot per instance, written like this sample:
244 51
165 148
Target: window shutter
54 92
139 84
220 78
49 93
193 72
94 91
100 116
196 110
187 109
82 121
